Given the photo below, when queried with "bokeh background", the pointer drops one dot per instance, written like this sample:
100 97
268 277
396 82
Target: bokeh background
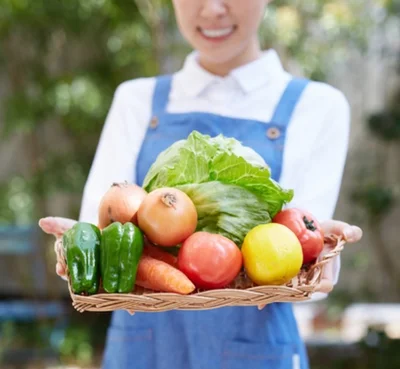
60 63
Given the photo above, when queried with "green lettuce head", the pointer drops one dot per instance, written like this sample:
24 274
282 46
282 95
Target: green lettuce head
230 184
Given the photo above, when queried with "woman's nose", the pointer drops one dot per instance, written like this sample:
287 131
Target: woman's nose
214 8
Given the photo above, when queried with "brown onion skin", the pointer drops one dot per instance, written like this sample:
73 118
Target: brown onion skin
120 204
167 216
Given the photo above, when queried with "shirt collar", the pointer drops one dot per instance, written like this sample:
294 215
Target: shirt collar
194 79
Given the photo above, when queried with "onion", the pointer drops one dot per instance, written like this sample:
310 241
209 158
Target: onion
120 204
167 216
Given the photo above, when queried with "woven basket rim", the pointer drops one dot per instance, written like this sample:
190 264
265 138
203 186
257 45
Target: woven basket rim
299 289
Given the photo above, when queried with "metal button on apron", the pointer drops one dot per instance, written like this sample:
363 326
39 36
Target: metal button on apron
273 133
154 122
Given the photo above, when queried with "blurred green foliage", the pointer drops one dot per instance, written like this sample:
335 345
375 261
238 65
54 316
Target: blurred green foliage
385 125
376 199
61 63
318 34
376 351
79 343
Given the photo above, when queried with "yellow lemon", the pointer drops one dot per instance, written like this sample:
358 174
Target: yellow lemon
272 254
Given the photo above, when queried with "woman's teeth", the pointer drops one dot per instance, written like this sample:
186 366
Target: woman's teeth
214 33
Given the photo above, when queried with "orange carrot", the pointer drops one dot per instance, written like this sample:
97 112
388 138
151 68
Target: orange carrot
159 276
158 254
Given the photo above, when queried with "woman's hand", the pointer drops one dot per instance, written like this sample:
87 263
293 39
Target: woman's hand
57 226
350 233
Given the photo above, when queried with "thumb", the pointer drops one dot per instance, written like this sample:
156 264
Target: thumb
56 225
353 233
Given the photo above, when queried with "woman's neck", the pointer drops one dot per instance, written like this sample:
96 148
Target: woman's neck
223 68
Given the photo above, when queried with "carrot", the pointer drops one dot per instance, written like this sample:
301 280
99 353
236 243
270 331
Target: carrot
158 254
159 276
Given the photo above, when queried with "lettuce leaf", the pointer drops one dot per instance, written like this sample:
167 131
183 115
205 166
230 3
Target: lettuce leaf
230 184
226 209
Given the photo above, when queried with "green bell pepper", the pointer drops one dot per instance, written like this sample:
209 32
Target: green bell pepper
121 249
82 251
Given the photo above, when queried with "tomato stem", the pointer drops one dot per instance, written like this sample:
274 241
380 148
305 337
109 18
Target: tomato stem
169 199
309 224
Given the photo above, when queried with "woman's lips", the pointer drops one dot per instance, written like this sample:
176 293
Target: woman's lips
216 34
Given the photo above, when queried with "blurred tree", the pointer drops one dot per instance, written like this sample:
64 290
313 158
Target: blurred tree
62 62
378 190
317 34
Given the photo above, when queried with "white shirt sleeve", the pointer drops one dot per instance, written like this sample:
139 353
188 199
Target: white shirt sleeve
320 173
114 157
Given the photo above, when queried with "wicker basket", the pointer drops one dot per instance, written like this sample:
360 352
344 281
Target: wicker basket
242 292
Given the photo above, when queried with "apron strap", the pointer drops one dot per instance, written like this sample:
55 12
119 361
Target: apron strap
161 94
290 97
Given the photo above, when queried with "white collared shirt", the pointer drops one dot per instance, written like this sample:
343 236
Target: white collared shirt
316 139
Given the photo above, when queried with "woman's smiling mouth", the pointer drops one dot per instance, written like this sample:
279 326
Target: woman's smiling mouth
217 34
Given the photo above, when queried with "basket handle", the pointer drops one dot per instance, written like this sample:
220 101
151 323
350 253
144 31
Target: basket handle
337 242
315 272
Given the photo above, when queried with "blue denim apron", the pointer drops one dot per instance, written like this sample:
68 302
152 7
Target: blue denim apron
224 338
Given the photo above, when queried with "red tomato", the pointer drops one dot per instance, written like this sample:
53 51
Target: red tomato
307 230
209 260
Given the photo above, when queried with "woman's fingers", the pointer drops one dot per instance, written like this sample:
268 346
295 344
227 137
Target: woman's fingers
353 234
56 225
350 232
325 286
61 267
60 270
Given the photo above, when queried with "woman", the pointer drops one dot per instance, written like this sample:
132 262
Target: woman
228 85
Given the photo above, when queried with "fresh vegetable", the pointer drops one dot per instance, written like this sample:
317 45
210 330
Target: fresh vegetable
120 204
272 254
167 216
229 184
209 260
82 251
156 253
306 228
159 276
121 249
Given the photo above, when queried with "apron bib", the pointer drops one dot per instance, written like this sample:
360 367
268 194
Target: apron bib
224 338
